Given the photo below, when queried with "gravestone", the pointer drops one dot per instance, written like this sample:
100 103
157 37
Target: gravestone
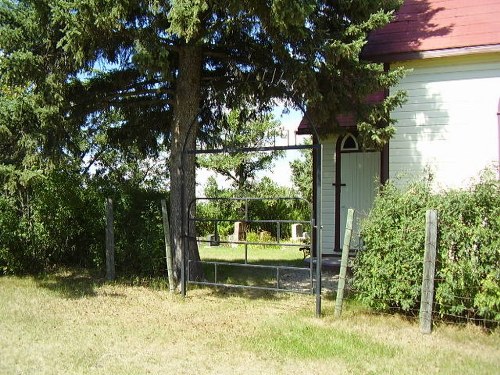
239 231
297 231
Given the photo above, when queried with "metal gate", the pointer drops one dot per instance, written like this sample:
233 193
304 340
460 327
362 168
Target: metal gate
315 224
287 278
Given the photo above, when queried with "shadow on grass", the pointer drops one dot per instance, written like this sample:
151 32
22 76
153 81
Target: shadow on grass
294 280
83 283
261 271
71 284
227 292
238 278
299 263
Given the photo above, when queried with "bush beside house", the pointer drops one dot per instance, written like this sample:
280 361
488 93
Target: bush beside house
388 271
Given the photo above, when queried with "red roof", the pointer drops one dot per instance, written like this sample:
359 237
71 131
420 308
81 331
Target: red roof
433 25
344 120
427 26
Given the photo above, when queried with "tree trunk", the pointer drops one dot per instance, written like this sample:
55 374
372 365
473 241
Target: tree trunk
184 130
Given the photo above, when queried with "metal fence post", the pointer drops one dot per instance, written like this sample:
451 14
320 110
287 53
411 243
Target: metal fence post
319 228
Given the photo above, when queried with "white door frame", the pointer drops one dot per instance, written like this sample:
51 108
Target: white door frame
344 146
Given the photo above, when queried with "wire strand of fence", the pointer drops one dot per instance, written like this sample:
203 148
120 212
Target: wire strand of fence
441 312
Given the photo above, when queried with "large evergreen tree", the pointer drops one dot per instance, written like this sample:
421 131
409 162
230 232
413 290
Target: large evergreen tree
165 71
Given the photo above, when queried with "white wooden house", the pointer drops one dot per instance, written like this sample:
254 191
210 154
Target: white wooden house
449 126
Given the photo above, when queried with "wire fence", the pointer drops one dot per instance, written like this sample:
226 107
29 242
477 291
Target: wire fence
442 306
438 316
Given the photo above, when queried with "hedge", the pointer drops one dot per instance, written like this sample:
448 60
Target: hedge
388 271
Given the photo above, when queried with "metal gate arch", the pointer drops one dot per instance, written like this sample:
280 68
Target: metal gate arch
317 148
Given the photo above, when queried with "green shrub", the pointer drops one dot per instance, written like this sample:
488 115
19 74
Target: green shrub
59 220
139 238
469 251
9 227
54 220
389 269
388 272
262 237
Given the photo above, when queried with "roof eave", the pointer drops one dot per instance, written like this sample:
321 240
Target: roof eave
420 55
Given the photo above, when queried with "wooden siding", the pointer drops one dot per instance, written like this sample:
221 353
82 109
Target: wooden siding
328 193
432 25
449 124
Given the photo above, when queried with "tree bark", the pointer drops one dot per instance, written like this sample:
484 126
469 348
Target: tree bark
182 165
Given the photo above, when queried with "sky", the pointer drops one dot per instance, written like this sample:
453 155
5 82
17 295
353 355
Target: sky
281 172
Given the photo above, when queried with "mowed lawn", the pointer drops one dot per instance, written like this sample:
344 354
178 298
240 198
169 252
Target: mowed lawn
73 323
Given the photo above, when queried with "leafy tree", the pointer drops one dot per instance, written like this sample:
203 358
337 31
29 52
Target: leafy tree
302 175
260 209
240 131
278 209
170 68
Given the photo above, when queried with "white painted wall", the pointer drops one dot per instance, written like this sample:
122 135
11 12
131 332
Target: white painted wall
328 193
449 124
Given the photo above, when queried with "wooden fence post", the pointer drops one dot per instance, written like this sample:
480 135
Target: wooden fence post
343 264
110 241
168 248
427 296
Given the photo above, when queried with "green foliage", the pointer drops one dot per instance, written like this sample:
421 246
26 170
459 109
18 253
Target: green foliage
263 237
77 59
219 208
277 209
243 128
139 239
388 272
185 17
48 221
488 298
8 228
469 256
224 208
90 85
302 174
59 220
